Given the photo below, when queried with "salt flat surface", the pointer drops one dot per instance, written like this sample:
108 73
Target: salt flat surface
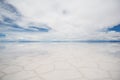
59 61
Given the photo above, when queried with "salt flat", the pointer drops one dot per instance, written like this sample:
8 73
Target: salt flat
59 61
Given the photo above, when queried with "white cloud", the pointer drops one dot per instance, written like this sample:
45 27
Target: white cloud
71 19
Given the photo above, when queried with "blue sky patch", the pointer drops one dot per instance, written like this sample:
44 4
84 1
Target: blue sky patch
2 35
42 28
7 20
115 28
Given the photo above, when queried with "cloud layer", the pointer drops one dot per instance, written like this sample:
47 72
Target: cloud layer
67 19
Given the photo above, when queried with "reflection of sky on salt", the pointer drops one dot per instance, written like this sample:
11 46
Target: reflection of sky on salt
52 60
43 49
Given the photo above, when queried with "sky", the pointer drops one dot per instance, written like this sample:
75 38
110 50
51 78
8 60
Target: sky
59 20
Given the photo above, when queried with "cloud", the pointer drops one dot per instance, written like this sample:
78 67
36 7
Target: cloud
69 19
8 12
10 19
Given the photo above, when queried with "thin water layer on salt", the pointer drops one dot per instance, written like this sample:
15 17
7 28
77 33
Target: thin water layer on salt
60 61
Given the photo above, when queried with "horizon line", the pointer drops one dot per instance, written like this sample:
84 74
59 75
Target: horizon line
60 41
